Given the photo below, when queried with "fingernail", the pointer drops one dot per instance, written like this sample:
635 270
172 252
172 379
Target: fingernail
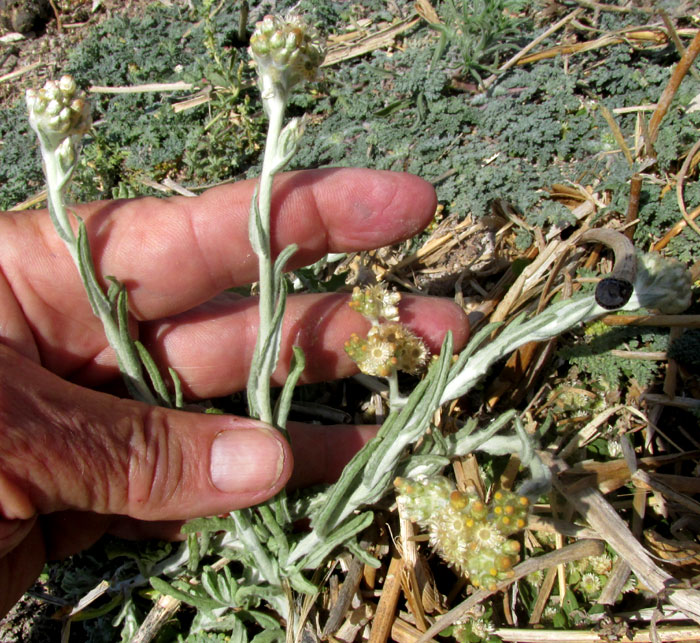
245 460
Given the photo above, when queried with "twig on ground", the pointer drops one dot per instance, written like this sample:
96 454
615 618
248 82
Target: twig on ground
347 591
386 609
593 507
663 635
530 46
675 230
644 480
570 553
683 321
681 181
669 92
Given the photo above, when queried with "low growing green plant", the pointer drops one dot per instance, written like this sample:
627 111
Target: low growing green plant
256 560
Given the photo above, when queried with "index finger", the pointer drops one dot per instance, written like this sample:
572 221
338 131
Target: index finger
176 253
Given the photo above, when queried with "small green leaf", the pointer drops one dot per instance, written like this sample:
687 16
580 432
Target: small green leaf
196 600
154 374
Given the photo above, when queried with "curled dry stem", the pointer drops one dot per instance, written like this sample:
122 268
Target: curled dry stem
615 290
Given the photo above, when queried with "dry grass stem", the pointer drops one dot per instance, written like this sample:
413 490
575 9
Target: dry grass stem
386 608
358 43
664 635
615 584
20 72
644 480
681 181
589 431
179 86
671 321
669 92
575 551
543 595
601 516
679 402
404 632
639 36
347 591
530 46
163 610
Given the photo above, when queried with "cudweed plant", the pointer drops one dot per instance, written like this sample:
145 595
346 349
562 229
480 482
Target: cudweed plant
60 115
474 536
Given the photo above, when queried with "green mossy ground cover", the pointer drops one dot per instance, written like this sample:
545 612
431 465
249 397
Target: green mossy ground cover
414 107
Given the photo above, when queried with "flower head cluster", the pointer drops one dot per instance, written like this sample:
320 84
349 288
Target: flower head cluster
589 575
389 345
387 348
468 533
661 283
286 51
60 115
376 303
58 110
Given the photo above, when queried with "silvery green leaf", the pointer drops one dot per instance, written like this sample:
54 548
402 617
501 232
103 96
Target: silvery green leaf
115 287
220 620
214 523
364 556
265 361
220 585
190 597
264 564
467 440
177 385
336 496
129 618
302 584
272 594
278 268
284 401
551 322
412 421
278 539
256 231
288 143
63 231
264 620
421 465
474 344
98 301
154 374
269 636
340 535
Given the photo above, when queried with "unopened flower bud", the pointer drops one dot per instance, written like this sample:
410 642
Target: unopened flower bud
53 108
67 85
267 25
51 90
66 154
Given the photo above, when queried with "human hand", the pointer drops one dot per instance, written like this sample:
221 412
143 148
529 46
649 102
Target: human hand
76 462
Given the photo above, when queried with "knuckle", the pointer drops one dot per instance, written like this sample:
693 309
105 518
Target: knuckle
155 466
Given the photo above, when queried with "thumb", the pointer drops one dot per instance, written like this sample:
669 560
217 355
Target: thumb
66 447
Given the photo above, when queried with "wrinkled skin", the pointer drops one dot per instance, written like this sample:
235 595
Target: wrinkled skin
76 462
